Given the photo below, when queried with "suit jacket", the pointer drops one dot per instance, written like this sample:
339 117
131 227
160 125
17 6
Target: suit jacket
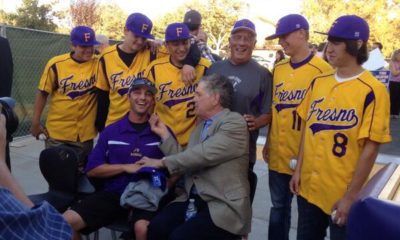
218 166
6 66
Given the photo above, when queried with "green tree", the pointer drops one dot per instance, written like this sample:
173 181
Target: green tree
112 21
84 12
5 18
31 15
383 17
218 19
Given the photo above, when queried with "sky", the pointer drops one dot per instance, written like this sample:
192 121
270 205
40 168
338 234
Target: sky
273 9
269 9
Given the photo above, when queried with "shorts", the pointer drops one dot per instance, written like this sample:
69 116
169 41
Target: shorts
102 208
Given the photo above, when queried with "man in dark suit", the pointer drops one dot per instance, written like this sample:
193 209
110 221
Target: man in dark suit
214 166
6 65
6 78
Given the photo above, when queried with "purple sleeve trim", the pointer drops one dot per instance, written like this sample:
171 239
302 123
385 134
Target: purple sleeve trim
54 68
44 93
98 156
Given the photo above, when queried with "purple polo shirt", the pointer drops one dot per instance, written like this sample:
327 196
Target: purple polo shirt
120 143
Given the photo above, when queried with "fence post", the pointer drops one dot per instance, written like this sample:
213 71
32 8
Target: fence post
3 30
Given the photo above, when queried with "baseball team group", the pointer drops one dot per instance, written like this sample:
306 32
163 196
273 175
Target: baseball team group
177 128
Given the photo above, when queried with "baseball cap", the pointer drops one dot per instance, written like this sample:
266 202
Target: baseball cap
140 25
244 24
83 36
150 170
349 27
140 82
288 24
176 31
192 17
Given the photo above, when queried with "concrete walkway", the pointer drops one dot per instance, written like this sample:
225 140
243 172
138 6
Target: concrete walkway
25 166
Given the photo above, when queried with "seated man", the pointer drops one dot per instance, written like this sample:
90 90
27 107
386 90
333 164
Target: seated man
19 218
114 158
215 167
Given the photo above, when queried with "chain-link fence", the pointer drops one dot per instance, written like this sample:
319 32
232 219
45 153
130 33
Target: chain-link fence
31 49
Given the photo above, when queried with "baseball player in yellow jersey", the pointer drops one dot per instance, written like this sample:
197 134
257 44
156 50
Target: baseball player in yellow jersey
174 100
291 78
120 64
70 81
346 117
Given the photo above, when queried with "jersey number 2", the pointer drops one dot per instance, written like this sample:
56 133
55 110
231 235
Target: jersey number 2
339 147
190 111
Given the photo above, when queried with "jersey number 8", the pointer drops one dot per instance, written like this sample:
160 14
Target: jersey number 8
339 147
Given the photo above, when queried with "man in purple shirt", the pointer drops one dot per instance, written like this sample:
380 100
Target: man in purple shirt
114 159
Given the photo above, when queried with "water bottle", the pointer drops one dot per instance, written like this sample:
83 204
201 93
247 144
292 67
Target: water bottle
156 179
191 210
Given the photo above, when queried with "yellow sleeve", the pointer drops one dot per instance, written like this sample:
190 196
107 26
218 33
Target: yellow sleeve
102 81
205 62
48 79
302 109
148 73
162 52
376 117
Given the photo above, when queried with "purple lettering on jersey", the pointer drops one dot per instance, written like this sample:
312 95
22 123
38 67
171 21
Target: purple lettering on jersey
75 89
175 93
173 102
317 127
284 95
280 107
123 91
331 115
76 94
117 82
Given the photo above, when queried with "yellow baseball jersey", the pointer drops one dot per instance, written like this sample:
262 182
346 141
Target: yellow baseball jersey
290 84
115 77
174 99
339 117
73 104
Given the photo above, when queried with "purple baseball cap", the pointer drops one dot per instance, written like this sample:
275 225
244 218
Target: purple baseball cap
140 25
244 24
150 170
349 27
83 36
177 31
288 24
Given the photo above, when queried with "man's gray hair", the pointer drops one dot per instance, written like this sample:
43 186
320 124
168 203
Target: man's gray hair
221 85
103 39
